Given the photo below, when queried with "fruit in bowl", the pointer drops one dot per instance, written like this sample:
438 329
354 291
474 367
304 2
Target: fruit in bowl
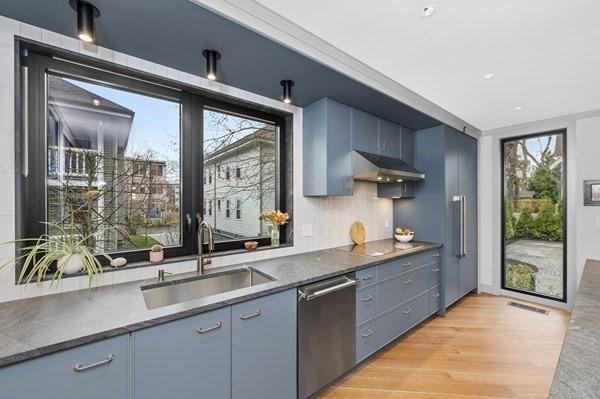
403 235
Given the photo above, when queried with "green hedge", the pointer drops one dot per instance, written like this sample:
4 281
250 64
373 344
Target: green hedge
520 276
547 224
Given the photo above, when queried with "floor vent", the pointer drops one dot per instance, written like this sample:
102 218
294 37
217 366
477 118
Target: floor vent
527 307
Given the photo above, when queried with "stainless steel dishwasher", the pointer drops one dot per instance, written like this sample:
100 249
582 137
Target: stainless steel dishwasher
326 332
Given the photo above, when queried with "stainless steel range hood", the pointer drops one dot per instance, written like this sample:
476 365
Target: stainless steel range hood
382 169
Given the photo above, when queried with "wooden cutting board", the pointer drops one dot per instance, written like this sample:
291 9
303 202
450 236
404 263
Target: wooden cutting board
358 233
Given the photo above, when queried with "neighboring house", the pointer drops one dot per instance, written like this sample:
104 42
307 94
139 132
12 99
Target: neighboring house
239 185
87 142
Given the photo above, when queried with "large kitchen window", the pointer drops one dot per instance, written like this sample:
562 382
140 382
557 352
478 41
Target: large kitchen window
125 161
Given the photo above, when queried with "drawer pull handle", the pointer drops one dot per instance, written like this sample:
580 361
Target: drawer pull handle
436 255
367 298
409 310
366 277
436 295
251 315
409 281
367 334
209 329
437 269
407 264
78 367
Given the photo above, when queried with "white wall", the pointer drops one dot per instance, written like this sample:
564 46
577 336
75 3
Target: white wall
583 228
319 222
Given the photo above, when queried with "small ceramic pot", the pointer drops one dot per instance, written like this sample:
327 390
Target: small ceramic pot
250 245
157 257
70 264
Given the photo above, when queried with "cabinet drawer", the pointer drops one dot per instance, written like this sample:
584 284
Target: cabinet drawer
435 274
366 304
402 265
366 342
98 370
394 323
366 277
435 299
396 290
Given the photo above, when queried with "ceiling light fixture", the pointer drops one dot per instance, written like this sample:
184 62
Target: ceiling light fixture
518 108
96 102
211 63
488 76
399 180
287 90
428 10
86 13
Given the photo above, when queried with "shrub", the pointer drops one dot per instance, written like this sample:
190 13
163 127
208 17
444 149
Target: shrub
548 224
509 221
545 182
520 276
525 224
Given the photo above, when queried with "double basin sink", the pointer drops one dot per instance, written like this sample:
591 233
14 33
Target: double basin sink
181 290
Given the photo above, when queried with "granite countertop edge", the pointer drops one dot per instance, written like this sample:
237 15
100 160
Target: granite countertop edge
24 350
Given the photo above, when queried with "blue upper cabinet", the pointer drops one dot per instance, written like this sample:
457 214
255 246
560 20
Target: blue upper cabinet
365 132
327 166
187 358
389 139
94 371
264 347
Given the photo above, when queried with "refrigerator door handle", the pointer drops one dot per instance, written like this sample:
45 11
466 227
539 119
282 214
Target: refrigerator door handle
459 201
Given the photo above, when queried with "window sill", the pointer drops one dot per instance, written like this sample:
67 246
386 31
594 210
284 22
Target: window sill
243 251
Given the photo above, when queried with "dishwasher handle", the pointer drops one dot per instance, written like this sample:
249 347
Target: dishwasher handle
349 282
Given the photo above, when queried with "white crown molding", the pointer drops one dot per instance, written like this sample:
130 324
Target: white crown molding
273 26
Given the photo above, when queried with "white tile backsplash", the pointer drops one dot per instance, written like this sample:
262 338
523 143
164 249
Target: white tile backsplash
330 218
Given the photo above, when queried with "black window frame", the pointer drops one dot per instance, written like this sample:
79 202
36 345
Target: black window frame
35 60
563 133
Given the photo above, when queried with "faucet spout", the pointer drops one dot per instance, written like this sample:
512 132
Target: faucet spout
204 259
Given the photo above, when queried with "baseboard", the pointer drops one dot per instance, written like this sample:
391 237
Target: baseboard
488 289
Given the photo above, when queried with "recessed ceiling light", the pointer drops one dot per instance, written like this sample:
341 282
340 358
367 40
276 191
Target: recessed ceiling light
488 76
428 10
96 102
518 108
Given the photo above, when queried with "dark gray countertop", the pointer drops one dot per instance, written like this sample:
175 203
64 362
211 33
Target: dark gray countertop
578 371
42 325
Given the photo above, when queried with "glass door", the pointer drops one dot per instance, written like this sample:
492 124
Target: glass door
534 218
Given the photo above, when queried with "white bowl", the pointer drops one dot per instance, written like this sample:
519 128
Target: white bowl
404 237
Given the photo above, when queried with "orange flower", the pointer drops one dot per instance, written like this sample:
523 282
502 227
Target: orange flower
275 217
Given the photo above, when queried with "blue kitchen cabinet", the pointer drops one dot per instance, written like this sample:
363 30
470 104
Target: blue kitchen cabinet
389 139
263 347
449 160
186 358
99 370
365 132
327 165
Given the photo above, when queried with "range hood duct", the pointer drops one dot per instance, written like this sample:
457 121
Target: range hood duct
382 169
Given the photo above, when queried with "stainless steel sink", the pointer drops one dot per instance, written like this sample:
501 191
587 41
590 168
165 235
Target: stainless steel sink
187 289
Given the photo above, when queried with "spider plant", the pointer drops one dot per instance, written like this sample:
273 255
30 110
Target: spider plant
49 254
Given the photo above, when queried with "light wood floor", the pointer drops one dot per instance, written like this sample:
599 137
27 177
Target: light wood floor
481 349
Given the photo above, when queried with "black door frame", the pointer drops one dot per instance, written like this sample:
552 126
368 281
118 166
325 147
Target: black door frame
563 133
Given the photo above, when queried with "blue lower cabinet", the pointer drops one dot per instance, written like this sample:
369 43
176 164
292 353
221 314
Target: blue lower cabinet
435 300
398 320
366 341
94 371
366 305
264 347
396 290
186 358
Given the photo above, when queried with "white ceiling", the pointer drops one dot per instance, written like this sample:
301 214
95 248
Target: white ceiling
544 54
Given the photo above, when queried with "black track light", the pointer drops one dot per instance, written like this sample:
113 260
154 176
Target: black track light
211 63
287 90
86 13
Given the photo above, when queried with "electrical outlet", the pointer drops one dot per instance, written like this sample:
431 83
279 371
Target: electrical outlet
307 230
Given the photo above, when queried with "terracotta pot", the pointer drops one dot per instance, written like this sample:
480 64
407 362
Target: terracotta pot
157 257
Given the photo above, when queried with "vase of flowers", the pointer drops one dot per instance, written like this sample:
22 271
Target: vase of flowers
276 218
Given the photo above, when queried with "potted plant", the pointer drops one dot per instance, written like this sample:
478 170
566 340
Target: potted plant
61 253
156 254
276 218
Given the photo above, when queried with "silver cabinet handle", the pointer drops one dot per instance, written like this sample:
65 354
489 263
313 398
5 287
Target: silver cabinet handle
201 330
436 295
366 277
80 367
367 334
367 298
409 310
437 269
407 264
436 255
251 315
409 281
